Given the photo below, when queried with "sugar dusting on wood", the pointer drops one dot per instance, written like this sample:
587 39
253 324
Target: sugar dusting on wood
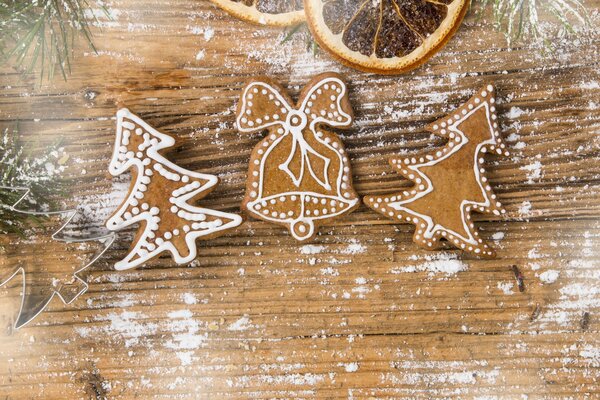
361 312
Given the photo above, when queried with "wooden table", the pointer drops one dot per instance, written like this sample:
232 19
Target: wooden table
360 312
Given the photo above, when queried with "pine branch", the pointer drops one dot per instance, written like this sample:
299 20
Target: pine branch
19 168
518 19
301 29
42 33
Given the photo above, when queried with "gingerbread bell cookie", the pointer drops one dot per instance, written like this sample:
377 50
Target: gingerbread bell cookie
449 184
160 197
299 174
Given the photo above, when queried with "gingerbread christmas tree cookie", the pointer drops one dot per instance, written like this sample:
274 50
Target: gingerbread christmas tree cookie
299 174
450 183
160 197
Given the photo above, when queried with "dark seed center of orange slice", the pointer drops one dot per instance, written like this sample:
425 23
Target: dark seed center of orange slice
386 28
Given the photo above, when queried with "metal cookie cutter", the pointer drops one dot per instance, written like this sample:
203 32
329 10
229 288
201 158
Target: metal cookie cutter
35 298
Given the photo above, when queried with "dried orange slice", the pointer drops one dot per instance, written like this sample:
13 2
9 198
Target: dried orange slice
385 36
265 12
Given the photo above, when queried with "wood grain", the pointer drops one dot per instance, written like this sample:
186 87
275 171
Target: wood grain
360 313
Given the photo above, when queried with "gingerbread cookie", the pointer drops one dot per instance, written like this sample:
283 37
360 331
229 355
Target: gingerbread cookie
450 183
299 174
160 197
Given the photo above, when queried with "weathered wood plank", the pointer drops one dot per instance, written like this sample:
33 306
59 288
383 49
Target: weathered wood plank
360 312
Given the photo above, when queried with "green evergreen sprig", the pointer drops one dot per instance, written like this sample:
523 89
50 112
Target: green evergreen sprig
42 33
520 18
20 168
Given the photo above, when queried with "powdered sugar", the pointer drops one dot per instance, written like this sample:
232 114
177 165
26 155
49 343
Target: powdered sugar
446 264
549 276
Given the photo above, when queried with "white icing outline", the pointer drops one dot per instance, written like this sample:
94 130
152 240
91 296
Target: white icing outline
432 229
117 221
297 133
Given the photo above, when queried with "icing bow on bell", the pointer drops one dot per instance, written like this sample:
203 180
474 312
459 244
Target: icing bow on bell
263 106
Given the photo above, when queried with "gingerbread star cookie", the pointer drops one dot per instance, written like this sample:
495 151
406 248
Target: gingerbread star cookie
450 183
299 174
160 197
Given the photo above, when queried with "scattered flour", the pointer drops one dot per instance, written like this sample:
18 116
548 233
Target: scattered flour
525 209
208 33
498 236
350 367
311 249
506 287
515 112
590 85
355 247
127 326
189 298
591 353
330 271
443 263
534 171
241 324
549 276
186 337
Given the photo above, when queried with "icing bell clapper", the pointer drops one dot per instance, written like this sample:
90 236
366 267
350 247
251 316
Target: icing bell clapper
301 150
